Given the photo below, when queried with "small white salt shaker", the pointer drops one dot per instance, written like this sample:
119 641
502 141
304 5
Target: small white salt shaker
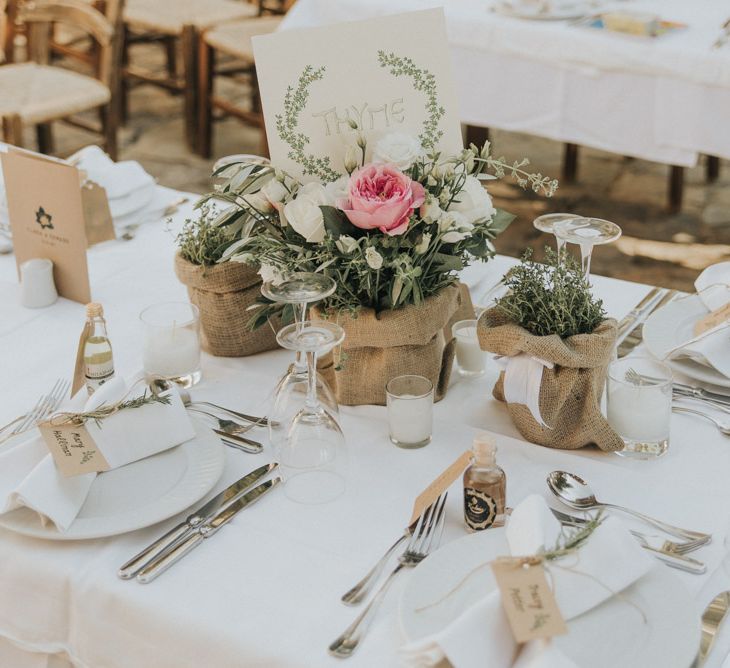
37 288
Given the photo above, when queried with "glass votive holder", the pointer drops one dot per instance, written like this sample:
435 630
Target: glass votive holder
469 355
171 343
410 411
639 405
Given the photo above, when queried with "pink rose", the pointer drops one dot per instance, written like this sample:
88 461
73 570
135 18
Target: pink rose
383 197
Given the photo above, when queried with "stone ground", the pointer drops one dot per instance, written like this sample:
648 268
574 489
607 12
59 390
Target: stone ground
656 247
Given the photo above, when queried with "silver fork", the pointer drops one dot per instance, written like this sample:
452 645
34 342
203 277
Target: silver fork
228 426
426 536
44 406
722 427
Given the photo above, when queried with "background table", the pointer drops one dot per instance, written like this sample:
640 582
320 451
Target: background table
664 99
265 590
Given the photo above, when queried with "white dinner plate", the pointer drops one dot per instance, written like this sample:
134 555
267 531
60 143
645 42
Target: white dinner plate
133 201
547 11
137 495
671 326
610 635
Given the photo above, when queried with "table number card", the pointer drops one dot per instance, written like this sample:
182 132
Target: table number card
390 74
47 218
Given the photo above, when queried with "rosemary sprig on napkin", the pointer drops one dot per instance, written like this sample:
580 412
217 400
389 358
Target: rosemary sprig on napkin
105 411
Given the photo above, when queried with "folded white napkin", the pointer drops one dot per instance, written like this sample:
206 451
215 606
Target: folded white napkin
29 477
610 561
713 285
119 179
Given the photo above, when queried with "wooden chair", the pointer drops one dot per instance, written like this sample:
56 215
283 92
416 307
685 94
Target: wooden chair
233 41
37 93
172 23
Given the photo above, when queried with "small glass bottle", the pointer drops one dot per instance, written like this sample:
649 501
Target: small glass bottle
98 359
485 486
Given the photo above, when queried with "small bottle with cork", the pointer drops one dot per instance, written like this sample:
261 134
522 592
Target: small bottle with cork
485 486
98 358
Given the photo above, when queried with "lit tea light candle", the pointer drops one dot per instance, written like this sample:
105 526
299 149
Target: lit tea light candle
469 355
410 411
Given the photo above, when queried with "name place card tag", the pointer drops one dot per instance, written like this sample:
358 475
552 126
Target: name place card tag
712 319
527 600
440 485
73 449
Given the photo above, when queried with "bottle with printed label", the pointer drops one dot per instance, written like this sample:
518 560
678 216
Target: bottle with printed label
485 485
98 359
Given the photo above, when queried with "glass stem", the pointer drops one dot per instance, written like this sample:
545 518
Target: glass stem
586 250
312 400
561 247
300 315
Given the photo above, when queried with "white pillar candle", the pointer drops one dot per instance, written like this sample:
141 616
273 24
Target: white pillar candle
469 355
171 352
639 413
410 418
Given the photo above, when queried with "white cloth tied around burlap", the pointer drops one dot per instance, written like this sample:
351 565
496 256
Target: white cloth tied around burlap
522 381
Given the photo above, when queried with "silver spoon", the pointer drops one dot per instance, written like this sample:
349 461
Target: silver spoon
159 385
575 492
722 427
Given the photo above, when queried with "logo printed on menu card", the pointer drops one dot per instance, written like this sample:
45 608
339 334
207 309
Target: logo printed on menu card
44 219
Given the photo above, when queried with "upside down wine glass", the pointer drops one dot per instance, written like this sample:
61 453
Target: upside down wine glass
312 456
546 223
299 289
587 233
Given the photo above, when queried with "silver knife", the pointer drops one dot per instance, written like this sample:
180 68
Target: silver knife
712 618
204 513
251 446
205 530
635 312
635 334
702 393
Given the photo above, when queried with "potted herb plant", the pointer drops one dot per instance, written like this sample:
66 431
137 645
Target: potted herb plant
555 342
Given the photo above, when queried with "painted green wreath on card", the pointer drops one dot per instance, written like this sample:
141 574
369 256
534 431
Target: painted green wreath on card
296 98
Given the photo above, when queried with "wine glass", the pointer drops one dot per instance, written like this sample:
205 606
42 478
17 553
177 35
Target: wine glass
546 223
312 457
299 289
587 233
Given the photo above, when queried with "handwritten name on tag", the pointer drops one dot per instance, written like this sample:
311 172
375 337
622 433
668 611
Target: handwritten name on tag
712 319
527 600
73 449
440 485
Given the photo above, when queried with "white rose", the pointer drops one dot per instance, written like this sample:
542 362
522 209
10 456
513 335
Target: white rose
473 201
373 258
270 274
398 148
305 216
422 245
430 210
274 191
346 244
314 193
337 190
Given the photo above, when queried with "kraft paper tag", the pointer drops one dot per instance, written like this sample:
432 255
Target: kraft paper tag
527 600
712 319
79 370
97 217
440 485
73 449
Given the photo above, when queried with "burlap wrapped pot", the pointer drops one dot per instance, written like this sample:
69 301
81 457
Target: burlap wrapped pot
570 392
223 292
380 346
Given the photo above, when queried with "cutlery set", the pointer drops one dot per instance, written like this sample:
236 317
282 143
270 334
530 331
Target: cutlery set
157 557
43 408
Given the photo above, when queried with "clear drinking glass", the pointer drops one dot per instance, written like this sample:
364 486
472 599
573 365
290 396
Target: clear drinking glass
546 223
299 290
410 411
639 405
312 457
586 233
171 343
469 355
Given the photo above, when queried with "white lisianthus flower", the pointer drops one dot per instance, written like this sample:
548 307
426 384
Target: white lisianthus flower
303 212
430 210
373 258
398 148
454 236
422 245
473 201
337 190
274 191
270 274
451 220
352 159
258 203
346 244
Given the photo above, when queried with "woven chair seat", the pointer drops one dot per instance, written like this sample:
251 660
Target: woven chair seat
169 16
235 38
42 93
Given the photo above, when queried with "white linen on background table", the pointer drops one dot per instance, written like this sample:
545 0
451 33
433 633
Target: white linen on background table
663 99
265 590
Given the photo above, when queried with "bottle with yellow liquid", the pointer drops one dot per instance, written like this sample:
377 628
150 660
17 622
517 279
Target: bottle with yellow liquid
98 358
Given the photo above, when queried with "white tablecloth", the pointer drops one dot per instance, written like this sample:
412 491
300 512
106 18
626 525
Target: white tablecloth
663 99
265 590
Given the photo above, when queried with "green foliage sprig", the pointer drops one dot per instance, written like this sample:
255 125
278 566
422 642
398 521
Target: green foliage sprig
551 298
202 242
105 411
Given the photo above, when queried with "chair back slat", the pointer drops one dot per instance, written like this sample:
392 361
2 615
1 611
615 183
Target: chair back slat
74 12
